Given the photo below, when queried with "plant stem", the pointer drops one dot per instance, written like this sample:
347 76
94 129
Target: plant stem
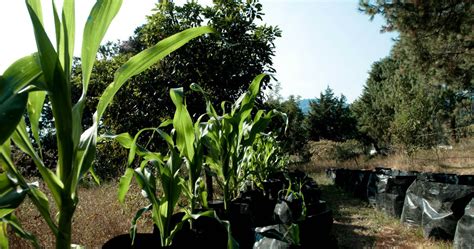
226 196
66 212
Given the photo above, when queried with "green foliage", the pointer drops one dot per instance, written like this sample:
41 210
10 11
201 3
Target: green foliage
262 159
374 109
222 65
427 80
228 139
330 118
436 34
348 150
167 167
294 140
229 134
328 150
25 85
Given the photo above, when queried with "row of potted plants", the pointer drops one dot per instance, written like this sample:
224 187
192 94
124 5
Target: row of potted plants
227 143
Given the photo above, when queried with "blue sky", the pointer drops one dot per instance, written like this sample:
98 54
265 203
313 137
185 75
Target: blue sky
324 43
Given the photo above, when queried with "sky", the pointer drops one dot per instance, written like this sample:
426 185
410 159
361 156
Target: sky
323 43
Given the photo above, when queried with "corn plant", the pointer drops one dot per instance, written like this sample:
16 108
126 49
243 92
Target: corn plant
262 158
25 84
184 148
227 135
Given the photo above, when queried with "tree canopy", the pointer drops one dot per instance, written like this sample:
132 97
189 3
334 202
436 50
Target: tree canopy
421 95
330 118
223 64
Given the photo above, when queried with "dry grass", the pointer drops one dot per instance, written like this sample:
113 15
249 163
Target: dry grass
98 218
358 225
458 160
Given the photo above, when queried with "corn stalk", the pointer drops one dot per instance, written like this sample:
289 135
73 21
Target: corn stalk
24 86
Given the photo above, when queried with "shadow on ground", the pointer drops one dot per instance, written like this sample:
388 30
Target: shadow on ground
345 208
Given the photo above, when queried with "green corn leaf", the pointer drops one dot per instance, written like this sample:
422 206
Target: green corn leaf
144 60
4 212
36 6
66 48
6 161
57 26
21 139
260 124
94 175
96 26
3 234
12 101
183 124
40 200
146 181
124 184
248 99
60 93
85 155
102 14
166 137
35 106
13 221
134 146
166 123
133 227
11 194
124 139
153 157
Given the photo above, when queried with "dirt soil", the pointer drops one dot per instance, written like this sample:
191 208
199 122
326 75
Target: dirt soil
358 225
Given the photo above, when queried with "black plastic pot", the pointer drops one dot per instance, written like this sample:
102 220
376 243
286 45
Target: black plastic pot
466 180
436 207
142 240
272 187
360 180
315 231
464 236
391 199
218 206
311 192
206 232
438 177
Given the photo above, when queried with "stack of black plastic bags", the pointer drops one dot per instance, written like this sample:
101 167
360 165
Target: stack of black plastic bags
442 204
300 219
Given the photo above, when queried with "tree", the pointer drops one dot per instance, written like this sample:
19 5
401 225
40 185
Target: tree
436 42
397 107
374 109
330 118
223 65
295 138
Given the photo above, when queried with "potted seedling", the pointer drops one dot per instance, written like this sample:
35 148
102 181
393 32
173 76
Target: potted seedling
185 149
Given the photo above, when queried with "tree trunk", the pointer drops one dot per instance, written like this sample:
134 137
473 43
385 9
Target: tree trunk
452 124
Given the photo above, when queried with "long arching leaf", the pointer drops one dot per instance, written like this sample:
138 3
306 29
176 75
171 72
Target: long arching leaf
60 93
12 100
144 60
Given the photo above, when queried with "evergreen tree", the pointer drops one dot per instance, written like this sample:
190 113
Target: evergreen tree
295 138
330 118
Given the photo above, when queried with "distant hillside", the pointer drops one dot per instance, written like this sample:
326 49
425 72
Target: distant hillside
304 105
